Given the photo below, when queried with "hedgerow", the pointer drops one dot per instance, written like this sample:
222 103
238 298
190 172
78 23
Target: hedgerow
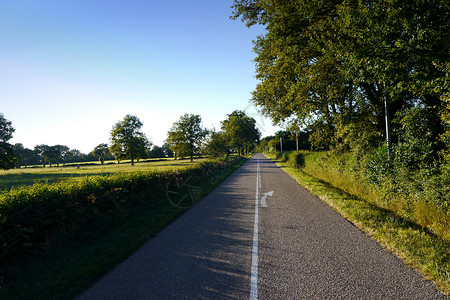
419 195
38 217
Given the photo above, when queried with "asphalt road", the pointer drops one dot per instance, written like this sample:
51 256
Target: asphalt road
296 248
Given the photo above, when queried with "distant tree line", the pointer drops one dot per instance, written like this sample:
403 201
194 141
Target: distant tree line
238 135
286 141
186 139
48 155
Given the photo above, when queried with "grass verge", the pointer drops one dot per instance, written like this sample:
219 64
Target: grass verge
418 247
65 272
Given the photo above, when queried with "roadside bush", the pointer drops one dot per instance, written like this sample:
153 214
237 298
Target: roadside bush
34 218
294 160
420 195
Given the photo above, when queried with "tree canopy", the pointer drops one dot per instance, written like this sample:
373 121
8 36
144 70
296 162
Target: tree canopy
240 131
186 136
127 141
101 151
216 144
7 158
331 66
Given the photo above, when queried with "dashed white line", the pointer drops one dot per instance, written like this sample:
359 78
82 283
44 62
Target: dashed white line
254 271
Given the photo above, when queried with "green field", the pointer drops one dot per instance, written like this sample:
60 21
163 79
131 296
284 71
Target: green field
29 176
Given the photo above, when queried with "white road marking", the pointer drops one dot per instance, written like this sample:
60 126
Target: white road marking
263 199
254 272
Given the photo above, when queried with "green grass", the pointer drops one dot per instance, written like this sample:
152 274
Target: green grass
67 271
29 176
417 246
422 201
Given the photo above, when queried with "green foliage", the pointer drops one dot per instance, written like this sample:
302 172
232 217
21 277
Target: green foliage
289 139
240 131
43 151
40 217
32 217
127 141
58 153
331 65
416 140
102 152
6 129
414 167
421 196
7 158
156 152
166 149
445 136
216 144
186 136
292 159
264 144
379 167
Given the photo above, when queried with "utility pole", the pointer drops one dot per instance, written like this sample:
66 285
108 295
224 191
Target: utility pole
281 145
387 120
275 148
296 141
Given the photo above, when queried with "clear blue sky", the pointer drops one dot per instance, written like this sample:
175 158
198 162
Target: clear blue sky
70 69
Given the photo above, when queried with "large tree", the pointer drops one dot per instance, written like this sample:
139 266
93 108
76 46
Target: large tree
59 152
156 152
216 144
101 151
186 136
74 155
24 156
7 158
127 141
167 151
44 152
241 131
340 65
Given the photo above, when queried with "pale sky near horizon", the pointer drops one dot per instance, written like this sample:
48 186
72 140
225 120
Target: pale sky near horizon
69 70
